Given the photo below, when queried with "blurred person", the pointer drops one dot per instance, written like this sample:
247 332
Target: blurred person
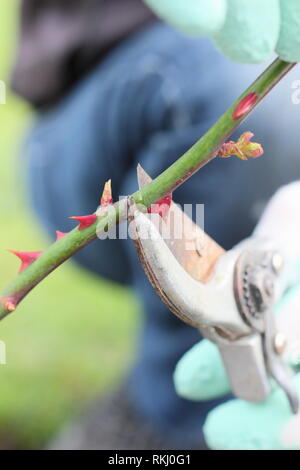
113 86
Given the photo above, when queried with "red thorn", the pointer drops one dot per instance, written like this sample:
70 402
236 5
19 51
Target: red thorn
162 206
60 235
85 221
106 198
242 149
26 257
244 106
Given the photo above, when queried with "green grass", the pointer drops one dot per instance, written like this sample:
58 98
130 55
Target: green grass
71 338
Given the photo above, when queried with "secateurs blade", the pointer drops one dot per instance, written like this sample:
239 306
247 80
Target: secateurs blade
228 296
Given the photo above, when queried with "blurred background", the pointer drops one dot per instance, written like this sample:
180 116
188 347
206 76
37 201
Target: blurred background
68 321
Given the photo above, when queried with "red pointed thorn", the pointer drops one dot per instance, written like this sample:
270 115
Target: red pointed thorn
162 206
244 106
26 257
8 304
245 138
85 221
106 198
60 235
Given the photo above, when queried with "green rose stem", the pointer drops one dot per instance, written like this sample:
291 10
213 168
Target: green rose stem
196 157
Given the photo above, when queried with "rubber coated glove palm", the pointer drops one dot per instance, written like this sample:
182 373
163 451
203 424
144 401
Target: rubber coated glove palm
246 31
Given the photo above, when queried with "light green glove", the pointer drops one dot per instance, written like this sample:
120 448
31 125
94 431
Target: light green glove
238 424
246 31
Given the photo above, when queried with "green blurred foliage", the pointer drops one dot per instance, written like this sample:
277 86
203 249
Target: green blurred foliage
71 339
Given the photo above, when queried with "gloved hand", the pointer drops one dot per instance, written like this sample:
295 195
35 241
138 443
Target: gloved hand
200 374
246 31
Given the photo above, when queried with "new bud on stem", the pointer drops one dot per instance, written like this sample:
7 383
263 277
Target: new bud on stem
245 106
242 149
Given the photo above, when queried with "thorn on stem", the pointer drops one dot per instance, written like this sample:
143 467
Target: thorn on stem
26 257
106 198
244 106
60 235
162 206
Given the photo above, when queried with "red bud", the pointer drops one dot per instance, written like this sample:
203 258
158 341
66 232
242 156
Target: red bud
242 149
244 106
10 306
60 235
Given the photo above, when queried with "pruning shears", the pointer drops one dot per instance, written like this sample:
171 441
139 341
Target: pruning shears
229 296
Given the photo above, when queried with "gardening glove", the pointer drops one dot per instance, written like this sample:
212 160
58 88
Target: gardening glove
200 374
246 31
